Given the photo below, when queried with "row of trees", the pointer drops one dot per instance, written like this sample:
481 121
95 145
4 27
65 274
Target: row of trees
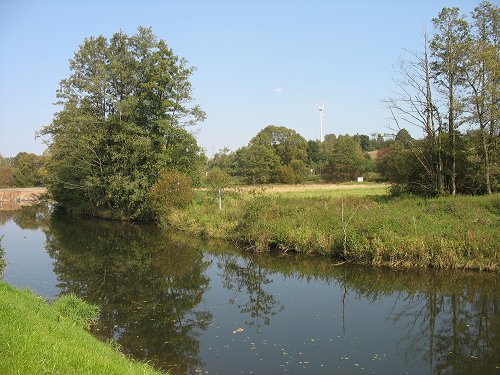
449 90
23 170
278 154
127 103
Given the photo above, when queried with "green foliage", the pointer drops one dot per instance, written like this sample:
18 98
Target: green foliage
452 87
223 160
28 169
275 154
294 173
76 310
23 170
346 160
257 163
217 179
173 190
288 144
125 107
316 156
285 175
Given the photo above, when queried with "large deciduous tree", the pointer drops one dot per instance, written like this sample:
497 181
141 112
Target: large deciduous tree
448 48
125 107
346 160
482 76
455 86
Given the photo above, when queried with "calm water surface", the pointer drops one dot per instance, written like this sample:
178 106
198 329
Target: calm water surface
190 306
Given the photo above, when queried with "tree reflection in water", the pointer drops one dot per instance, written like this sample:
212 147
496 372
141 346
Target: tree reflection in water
455 329
148 286
449 321
248 276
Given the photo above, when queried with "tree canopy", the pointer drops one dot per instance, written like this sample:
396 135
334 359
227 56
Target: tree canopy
125 108
451 94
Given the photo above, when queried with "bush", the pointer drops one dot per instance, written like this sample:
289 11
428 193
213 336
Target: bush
285 175
173 190
217 179
373 177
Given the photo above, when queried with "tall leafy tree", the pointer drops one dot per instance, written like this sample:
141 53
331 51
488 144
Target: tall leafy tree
448 47
257 162
346 160
125 107
482 76
287 143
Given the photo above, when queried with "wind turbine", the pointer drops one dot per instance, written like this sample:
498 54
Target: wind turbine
321 117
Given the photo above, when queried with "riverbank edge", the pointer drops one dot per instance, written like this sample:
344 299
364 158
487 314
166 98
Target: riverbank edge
458 232
37 339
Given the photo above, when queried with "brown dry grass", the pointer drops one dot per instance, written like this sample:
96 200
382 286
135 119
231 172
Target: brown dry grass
278 188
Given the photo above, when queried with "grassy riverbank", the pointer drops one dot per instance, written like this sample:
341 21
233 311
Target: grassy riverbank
41 338
446 232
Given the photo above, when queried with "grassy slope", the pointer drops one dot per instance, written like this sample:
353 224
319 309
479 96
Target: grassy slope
36 339
446 232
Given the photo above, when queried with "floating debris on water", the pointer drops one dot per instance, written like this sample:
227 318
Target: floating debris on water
238 330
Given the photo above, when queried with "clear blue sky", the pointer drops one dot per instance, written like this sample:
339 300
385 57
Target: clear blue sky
259 62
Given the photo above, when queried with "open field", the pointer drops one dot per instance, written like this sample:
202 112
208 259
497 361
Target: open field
311 190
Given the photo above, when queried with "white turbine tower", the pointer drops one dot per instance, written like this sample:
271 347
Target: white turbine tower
321 117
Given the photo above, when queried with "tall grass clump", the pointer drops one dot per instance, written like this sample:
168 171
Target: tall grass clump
76 310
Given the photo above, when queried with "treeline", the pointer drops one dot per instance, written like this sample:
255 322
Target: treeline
127 103
23 170
281 155
449 91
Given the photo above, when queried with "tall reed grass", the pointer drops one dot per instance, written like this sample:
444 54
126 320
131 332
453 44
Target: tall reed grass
445 232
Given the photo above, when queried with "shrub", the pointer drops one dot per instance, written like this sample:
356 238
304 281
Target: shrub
217 179
285 174
173 190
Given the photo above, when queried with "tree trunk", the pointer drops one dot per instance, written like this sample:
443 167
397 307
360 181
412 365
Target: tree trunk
451 131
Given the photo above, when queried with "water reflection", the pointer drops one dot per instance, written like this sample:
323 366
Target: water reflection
148 286
447 320
248 276
160 295
27 216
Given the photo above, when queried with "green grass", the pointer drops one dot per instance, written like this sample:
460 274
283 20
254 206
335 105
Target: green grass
446 232
41 338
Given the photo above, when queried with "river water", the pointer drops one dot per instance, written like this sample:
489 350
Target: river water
191 306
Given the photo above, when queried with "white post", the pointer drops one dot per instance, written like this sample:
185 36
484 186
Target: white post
220 199
320 108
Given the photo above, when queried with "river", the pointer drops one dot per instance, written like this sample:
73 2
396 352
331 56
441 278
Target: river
192 306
